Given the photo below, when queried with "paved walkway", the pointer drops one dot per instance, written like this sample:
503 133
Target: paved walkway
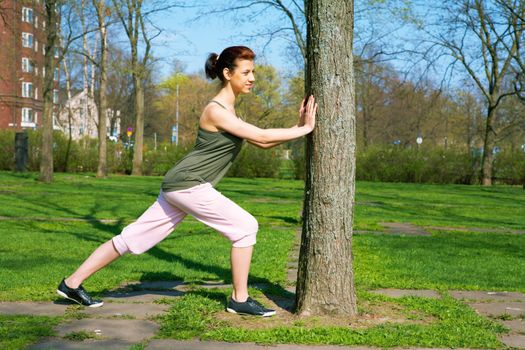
126 318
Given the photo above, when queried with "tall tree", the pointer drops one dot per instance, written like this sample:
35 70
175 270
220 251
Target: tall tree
132 17
325 283
484 37
103 14
51 17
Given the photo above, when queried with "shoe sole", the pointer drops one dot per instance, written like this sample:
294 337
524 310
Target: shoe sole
266 314
64 295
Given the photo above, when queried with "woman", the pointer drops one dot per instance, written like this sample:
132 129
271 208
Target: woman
188 187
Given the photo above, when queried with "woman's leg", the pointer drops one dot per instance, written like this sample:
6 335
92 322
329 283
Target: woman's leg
240 261
101 257
219 212
154 225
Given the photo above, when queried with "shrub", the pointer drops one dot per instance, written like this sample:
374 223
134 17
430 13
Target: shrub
158 162
388 163
426 165
509 167
257 162
7 149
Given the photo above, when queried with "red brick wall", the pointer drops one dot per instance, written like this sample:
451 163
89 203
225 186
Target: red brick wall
11 53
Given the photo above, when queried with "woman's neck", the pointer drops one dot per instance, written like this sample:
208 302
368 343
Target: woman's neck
227 97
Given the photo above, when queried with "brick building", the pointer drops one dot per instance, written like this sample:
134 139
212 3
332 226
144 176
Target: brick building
22 48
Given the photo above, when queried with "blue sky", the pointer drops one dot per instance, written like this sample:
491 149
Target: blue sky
191 41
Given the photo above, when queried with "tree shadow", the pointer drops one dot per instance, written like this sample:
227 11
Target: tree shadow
273 291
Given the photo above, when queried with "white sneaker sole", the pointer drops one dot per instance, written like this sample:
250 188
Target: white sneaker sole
64 295
266 314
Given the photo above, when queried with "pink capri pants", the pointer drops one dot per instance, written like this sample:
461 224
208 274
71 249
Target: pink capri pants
204 203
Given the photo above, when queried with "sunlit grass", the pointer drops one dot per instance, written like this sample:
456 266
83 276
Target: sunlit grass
46 231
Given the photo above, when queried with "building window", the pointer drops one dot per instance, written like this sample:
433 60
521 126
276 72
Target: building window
56 125
43 71
36 93
27 115
56 52
36 45
27 89
27 65
27 14
55 96
36 22
27 40
55 76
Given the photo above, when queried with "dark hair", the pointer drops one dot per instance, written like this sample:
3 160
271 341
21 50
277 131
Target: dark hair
215 64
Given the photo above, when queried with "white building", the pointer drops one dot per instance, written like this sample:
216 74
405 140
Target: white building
84 116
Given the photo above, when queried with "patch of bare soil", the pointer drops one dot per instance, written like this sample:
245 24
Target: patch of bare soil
370 314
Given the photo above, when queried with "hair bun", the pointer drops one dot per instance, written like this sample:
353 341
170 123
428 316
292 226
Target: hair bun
210 67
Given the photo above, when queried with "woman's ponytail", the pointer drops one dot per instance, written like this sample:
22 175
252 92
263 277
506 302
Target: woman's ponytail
210 67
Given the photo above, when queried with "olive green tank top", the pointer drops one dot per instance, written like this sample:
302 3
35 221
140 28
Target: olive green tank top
208 161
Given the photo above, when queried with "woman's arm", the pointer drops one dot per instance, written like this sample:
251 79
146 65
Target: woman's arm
265 145
224 120
268 145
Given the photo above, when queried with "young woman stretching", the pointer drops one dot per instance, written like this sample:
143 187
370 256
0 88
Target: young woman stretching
188 188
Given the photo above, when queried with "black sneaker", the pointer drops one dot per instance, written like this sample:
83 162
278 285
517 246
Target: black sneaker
78 295
249 307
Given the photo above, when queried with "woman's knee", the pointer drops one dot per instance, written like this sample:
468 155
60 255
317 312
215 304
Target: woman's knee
122 247
251 225
248 236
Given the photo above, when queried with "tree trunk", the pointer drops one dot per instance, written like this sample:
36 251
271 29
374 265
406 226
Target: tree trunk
102 170
325 283
69 115
46 157
139 127
488 148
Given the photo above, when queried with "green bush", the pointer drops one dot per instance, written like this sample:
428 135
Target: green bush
297 155
257 162
424 165
386 163
509 167
7 149
158 162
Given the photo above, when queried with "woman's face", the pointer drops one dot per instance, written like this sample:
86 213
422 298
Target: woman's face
242 77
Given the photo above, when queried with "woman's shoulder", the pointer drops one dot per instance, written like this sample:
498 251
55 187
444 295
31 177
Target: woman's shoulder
208 116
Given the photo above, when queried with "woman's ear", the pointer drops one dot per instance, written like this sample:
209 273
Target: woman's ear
226 73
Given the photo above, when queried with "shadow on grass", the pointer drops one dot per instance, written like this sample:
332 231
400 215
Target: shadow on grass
273 291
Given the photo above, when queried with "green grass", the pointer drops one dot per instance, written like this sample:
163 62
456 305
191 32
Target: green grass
38 246
445 260
455 325
440 205
44 251
16 332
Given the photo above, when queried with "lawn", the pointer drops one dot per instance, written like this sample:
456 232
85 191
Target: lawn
47 230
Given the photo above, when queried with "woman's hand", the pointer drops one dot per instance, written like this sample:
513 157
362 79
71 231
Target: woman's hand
307 113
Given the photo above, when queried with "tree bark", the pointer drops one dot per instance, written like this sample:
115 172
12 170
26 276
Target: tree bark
102 170
46 157
488 147
325 283
139 126
69 116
